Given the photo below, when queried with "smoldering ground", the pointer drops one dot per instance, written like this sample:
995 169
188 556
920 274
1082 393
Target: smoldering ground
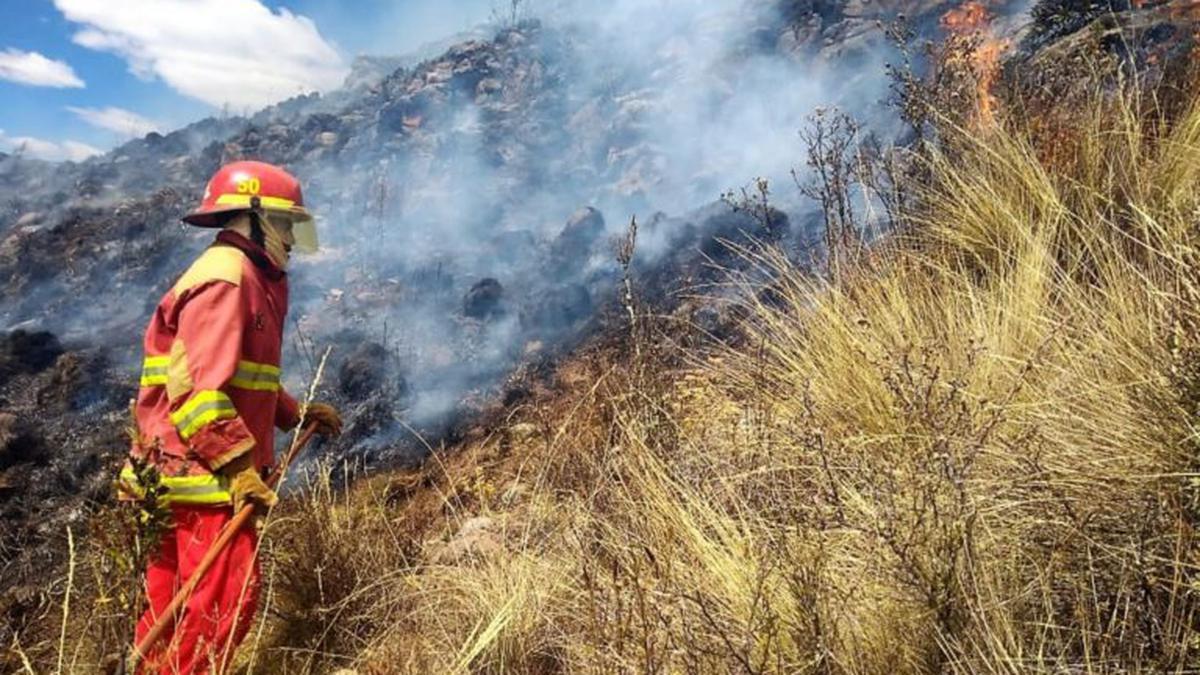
514 159
477 161
471 166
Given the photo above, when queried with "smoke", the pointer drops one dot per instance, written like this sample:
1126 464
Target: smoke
712 109
475 166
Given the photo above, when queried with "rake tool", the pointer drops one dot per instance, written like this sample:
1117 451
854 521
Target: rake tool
239 520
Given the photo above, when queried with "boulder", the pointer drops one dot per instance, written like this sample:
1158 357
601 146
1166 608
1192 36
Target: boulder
18 442
477 538
28 352
583 228
362 373
483 301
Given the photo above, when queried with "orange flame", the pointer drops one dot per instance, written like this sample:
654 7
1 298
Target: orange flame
968 17
972 21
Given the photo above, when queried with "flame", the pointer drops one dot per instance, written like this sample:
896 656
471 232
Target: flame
968 17
972 21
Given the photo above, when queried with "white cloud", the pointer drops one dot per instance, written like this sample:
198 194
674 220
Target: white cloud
125 122
37 70
40 148
235 52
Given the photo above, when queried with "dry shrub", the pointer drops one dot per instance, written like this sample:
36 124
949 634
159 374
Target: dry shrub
972 451
330 561
982 427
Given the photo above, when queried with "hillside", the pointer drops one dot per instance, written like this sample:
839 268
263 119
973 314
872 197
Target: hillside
970 448
468 206
943 427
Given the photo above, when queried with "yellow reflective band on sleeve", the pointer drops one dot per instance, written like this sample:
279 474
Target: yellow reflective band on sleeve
202 408
233 199
154 371
256 376
204 490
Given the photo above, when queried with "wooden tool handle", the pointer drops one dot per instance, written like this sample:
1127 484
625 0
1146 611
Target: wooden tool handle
167 618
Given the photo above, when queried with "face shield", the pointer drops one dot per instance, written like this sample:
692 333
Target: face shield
302 232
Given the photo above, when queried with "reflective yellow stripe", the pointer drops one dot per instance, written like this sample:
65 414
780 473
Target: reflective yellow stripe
254 386
153 378
201 409
232 199
208 489
256 376
259 367
154 370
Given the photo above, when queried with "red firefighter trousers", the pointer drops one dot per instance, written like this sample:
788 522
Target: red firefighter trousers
220 611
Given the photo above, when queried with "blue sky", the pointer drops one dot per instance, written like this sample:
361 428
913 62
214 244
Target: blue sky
77 76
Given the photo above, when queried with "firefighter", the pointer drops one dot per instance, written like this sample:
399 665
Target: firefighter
208 405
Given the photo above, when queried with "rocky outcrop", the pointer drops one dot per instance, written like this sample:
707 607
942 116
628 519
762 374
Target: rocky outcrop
483 300
28 352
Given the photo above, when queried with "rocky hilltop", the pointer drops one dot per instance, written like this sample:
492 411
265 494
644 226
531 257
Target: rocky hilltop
468 202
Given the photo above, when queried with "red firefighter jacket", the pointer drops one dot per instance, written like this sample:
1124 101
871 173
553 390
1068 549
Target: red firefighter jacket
210 379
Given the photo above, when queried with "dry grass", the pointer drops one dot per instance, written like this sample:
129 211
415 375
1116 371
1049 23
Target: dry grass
972 452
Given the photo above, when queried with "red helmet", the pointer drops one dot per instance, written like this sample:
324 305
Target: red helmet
241 186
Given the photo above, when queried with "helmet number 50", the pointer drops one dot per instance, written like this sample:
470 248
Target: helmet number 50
250 186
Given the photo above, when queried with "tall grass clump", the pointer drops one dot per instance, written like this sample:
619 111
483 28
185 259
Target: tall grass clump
972 449
987 432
